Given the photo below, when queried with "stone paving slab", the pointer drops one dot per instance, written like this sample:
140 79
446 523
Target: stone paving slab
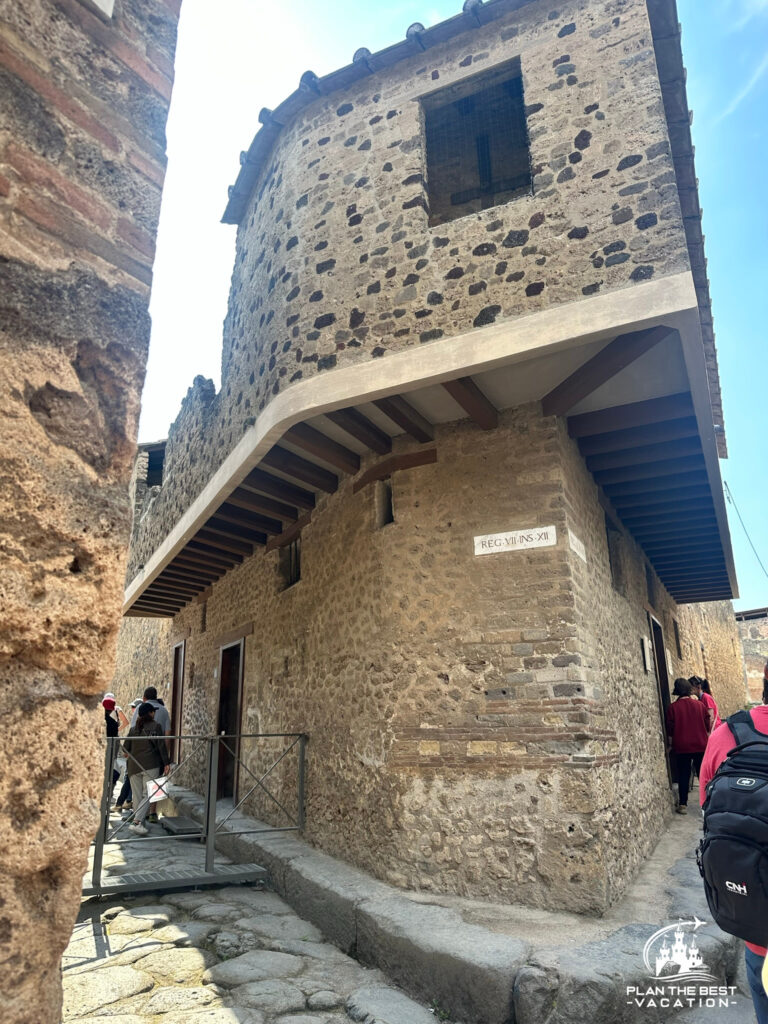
226 955
482 963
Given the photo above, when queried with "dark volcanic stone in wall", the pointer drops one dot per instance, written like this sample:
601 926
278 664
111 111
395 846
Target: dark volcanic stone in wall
366 205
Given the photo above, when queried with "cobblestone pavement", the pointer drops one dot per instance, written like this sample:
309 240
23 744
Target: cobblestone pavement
236 954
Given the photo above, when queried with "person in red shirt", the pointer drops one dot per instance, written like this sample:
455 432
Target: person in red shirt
702 691
687 732
721 742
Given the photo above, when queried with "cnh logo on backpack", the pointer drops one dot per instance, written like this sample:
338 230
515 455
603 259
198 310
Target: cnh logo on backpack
733 855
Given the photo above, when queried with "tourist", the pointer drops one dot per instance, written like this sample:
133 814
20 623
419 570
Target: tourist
112 724
701 690
147 754
124 801
721 742
687 731
162 717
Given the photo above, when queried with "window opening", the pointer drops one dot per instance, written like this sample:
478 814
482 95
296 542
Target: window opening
478 154
385 513
155 462
615 556
678 645
650 585
290 563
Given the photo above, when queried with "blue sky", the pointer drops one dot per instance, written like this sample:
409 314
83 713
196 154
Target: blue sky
236 56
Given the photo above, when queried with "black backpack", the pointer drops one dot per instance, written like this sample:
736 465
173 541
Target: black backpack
733 855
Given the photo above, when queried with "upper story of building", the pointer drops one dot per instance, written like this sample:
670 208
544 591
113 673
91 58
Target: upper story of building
518 156
503 186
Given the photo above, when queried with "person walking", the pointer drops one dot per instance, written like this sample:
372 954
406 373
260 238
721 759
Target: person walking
147 754
124 801
721 742
701 690
162 717
687 732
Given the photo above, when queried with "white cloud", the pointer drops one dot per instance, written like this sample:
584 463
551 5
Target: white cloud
739 98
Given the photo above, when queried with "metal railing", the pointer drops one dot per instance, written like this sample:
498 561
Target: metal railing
191 746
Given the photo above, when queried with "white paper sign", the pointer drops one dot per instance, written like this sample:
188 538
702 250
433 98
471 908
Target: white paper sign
516 540
577 545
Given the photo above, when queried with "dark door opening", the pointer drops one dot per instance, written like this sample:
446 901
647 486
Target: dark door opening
230 685
662 681
177 697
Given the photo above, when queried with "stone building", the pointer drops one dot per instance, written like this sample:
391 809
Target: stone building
457 504
84 93
753 631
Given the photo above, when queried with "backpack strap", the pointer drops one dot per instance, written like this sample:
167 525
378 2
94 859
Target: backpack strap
743 728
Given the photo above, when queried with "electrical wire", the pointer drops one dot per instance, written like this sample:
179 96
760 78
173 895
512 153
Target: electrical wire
730 498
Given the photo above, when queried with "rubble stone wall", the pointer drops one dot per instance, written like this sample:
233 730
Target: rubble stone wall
84 101
482 725
753 635
336 261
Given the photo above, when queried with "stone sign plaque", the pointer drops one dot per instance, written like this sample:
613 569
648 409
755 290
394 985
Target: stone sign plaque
577 545
516 540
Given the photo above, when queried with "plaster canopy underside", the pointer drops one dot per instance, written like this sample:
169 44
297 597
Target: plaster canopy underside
475 15
640 414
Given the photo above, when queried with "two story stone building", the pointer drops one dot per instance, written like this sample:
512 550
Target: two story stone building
456 511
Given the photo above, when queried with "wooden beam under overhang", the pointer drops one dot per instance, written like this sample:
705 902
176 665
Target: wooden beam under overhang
160 604
649 453
615 357
250 520
259 481
184 569
199 545
173 590
652 471
300 469
654 433
634 414
315 443
406 417
253 502
235 547
139 613
618 490
195 576
192 558
232 532
360 427
677 501
669 522
471 399
705 544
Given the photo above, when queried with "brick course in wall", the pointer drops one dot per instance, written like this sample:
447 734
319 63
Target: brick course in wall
84 103
478 725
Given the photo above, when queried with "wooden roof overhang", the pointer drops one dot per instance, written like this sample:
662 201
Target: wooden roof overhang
635 399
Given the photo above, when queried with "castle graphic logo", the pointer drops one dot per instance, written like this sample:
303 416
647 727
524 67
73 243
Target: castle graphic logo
679 978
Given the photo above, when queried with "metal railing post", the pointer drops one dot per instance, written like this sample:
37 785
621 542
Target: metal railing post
302 749
106 793
210 804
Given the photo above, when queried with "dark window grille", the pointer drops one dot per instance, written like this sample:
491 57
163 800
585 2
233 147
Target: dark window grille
478 155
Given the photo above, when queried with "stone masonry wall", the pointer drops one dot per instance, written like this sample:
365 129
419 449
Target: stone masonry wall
710 640
478 725
84 100
753 634
337 264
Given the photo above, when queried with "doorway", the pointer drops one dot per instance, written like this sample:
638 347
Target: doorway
230 695
662 681
177 697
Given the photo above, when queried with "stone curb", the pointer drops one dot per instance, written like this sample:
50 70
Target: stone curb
474 974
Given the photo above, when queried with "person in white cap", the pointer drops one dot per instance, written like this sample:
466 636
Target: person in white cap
124 799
